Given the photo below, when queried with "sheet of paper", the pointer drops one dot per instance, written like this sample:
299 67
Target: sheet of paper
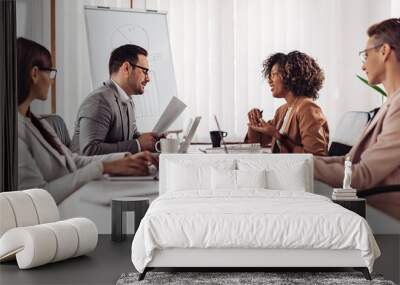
174 108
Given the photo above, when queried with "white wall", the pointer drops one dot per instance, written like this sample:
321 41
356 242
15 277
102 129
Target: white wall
33 22
333 32
355 40
74 81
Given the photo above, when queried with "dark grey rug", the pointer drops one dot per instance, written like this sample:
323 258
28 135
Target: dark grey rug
225 278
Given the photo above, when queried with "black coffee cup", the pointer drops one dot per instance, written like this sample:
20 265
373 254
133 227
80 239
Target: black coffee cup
216 137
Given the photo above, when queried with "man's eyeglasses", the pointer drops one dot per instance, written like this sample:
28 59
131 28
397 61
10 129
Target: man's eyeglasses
364 53
52 71
144 69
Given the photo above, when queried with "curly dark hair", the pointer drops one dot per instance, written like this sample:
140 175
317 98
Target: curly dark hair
300 73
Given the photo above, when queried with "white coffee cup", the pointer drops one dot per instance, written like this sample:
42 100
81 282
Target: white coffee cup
168 145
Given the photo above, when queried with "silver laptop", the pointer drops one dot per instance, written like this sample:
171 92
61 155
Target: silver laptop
187 138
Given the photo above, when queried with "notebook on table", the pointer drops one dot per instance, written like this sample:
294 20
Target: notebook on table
152 170
131 178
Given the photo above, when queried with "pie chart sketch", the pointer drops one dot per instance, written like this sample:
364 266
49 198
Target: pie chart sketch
148 105
130 34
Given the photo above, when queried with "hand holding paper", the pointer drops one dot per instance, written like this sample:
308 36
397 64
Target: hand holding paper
174 108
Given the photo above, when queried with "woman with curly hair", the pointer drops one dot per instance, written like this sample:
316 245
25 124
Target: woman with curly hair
299 126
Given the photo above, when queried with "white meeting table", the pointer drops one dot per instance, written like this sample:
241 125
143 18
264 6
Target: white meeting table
93 200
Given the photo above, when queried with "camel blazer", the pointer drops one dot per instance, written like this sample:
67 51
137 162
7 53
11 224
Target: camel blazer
375 158
307 126
41 166
105 123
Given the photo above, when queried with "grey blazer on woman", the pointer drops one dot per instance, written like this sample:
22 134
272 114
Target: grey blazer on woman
41 166
105 123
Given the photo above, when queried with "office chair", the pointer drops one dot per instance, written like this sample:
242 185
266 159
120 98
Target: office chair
378 190
59 127
349 130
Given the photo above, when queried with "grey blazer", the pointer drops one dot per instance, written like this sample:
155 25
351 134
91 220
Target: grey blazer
105 124
41 166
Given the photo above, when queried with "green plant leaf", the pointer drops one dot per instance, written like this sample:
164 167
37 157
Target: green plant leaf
377 88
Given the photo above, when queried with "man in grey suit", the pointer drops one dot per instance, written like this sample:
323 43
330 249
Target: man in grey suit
106 119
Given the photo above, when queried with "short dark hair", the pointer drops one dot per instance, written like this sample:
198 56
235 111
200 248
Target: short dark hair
387 31
124 53
300 73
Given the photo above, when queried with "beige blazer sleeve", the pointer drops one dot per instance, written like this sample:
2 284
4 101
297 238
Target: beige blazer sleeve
329 170
378 154
381 158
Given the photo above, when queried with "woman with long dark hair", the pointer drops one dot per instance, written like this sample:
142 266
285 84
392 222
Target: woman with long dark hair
43 161
299 126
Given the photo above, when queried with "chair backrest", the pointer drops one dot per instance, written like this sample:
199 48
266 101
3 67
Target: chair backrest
348 131
26 208
378 190
59 127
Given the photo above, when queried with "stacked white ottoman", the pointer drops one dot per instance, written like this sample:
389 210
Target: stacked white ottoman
30 230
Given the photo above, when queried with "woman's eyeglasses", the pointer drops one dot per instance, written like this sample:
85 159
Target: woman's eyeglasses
52 71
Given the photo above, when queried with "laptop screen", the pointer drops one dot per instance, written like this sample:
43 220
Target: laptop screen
190 134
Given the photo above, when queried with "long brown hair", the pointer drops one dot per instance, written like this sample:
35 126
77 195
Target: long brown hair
29 55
